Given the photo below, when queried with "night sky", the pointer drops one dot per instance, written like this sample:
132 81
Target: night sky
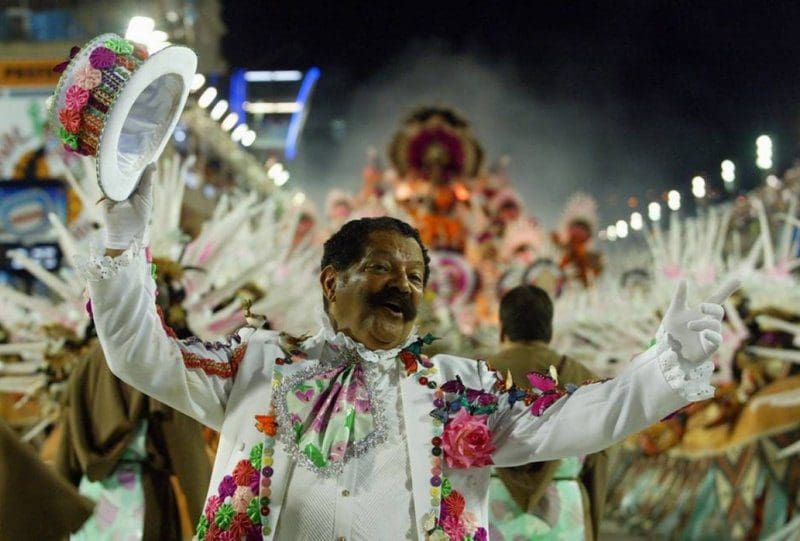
626 98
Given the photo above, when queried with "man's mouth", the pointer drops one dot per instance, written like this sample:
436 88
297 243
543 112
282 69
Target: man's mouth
394 308
396 303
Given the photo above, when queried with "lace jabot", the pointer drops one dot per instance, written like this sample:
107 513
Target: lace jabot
339 340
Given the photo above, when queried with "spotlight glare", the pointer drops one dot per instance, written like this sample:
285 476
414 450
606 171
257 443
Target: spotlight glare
281 178
219 109
654 211
140 28
637 222
207 97
728 171
229 122
239 132
622 229
611 233
699 187
674 200
158 36
248 138
764 142
197 82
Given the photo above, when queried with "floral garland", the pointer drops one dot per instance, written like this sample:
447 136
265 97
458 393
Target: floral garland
94 90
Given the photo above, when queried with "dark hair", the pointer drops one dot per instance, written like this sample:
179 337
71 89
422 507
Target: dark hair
347 246
526 313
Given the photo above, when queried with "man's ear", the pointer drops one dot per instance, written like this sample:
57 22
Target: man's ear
327 279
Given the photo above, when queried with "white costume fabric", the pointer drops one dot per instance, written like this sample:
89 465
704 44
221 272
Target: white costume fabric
386 492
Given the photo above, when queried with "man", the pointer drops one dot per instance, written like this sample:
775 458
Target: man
542 499
377 441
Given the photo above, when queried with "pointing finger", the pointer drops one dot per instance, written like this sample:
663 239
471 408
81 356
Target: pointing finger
724 291
679 299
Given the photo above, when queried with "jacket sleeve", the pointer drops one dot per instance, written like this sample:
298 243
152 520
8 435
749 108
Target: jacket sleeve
189 375
597 415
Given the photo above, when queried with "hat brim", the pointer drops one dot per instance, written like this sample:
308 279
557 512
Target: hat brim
157 93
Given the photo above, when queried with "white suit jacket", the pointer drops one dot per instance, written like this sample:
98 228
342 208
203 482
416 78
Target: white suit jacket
225 386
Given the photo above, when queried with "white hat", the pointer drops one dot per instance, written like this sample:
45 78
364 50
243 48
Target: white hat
120 104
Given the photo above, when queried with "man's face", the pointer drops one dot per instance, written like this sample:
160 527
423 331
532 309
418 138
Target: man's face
376 300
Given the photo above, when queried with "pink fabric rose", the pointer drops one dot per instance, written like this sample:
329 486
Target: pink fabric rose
481 535
241 499
87 77
467 441
470 522
76 98
212 505
102 58
453 527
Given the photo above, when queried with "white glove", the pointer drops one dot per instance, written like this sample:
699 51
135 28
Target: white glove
695 335
128 220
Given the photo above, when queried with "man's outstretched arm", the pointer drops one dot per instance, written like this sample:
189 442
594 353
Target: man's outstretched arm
672 373
189 375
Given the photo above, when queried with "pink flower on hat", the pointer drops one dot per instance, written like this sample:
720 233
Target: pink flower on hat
102 58
70 119
87 77
76 98
467 441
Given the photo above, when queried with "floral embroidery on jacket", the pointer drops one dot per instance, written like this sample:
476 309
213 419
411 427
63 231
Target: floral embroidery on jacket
235 511
454 521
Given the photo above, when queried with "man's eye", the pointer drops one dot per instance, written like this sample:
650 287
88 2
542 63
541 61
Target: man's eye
380 267
416 278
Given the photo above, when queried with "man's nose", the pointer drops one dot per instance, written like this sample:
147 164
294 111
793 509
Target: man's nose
401 282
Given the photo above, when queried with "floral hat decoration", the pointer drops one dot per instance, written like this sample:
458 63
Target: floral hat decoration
120 104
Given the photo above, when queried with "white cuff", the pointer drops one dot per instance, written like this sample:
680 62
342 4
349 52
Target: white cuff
95 268
691 381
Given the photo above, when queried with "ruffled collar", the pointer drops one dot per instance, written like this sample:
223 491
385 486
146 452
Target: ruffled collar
339 341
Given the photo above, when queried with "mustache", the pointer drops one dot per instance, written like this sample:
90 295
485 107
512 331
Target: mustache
398 298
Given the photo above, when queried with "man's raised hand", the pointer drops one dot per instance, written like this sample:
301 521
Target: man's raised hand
695 334
128 220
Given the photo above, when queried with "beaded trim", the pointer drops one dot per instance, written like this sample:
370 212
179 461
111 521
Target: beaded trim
213 367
